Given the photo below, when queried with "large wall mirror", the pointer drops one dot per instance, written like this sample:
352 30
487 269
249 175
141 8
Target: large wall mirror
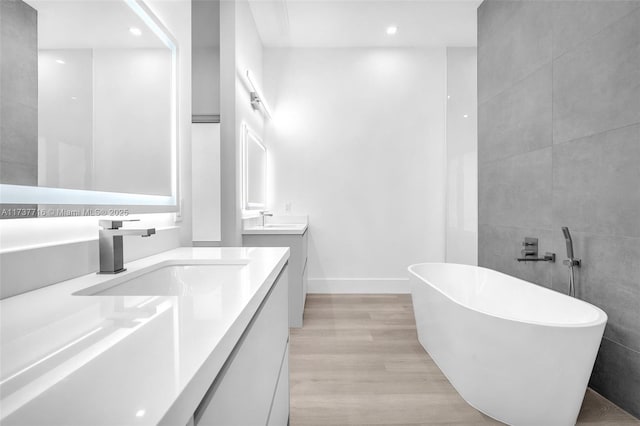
88 107
254 171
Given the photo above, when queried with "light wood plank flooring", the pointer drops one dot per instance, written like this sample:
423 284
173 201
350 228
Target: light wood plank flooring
357 361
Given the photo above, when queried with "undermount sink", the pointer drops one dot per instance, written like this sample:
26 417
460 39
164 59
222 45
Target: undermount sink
171 280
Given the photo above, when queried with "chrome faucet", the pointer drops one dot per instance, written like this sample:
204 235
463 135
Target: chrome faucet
264 213
110 244
571 261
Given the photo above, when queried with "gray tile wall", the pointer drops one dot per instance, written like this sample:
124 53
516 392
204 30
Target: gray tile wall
19 88
19 100
559 145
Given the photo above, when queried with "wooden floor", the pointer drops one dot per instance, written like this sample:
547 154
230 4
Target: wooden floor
357 361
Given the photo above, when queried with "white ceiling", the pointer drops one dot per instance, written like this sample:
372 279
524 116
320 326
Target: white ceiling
72 24
358 23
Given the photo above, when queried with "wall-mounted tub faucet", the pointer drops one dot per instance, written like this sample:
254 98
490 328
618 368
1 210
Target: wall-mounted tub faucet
571 261
530 252
110 244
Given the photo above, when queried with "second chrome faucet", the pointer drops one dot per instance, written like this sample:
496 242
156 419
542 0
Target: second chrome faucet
264 213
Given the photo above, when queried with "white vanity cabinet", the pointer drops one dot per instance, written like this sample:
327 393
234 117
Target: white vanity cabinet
190 336
253 386
297 243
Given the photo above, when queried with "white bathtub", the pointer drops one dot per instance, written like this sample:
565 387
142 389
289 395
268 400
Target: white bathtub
518 352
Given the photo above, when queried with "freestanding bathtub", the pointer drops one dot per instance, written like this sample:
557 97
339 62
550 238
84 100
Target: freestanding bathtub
518 352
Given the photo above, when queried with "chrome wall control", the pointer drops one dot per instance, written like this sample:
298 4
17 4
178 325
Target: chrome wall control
530 245
530 252
548 257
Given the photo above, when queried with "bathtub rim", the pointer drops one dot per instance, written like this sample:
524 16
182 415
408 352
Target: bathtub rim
601 320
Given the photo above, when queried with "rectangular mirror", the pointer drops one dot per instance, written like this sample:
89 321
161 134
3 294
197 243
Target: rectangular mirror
89 112
254 173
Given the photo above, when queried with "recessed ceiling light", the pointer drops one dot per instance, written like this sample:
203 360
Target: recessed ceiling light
74 98
60 61
140 413
392 30
135 31
466 116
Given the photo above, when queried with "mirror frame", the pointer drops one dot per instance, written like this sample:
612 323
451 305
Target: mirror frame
59 200
249 136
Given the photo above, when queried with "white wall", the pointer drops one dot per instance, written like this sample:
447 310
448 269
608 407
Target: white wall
205 148
249 56
57 242
240 49
205 138
358 144
462 156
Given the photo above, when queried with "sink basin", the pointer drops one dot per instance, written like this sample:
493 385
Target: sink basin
171 280
285 225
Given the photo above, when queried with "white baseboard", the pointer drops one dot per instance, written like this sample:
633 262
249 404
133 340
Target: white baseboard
359 286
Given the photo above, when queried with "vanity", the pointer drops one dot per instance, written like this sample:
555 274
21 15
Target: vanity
183 336
291 232
189 336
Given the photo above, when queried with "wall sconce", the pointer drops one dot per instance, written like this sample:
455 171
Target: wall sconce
258 100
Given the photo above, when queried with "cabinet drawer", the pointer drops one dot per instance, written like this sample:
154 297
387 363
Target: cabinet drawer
242 394
305 286
280 410
303 248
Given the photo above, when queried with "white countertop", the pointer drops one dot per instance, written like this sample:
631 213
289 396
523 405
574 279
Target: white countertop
125 360
276 229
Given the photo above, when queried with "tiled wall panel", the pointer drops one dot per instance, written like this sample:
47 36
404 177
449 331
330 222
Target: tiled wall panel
559 145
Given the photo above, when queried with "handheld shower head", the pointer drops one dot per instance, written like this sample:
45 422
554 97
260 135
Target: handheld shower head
571 262
568 241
